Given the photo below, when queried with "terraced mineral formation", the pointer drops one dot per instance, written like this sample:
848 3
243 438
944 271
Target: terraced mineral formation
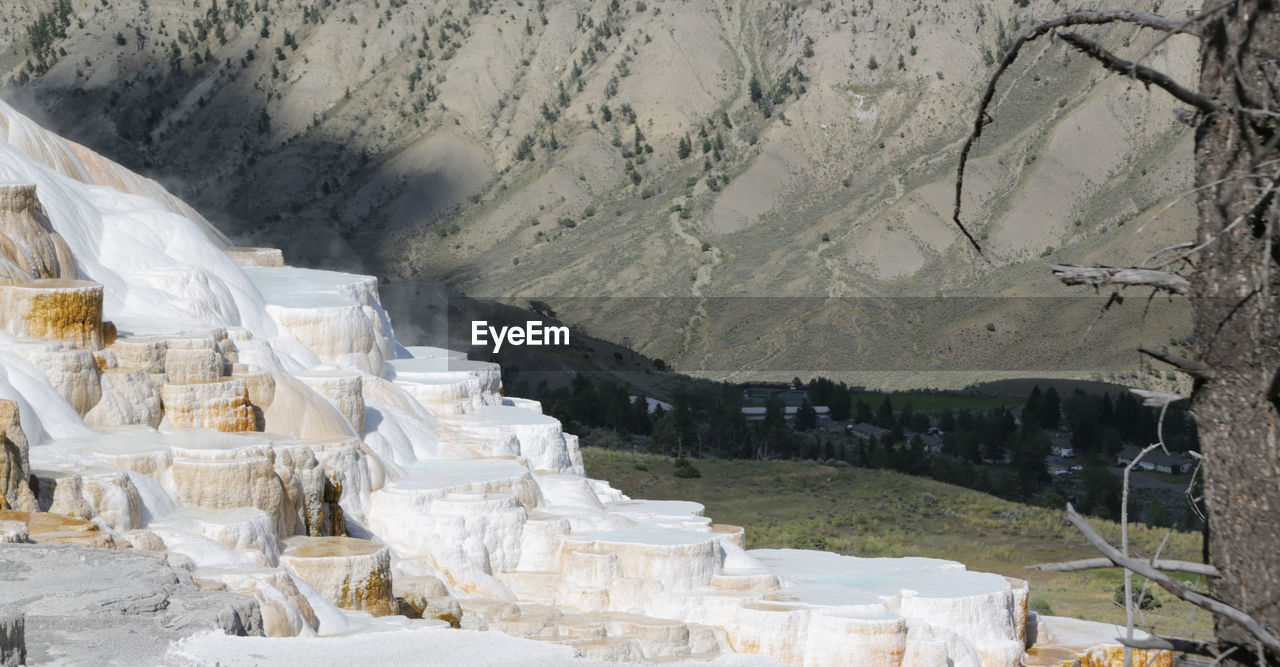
55 309
247 256
259 426
73 373
221 404
29 248
343 389
103 495
15 463
127 397
352 574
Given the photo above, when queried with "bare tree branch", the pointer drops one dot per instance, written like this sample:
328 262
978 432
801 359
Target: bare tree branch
1107 275
1099 563
1076 18
1190 366
1170 584
1244 654
1142 73
1171 644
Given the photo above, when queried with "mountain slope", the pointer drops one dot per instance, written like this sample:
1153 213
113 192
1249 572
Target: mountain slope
468 143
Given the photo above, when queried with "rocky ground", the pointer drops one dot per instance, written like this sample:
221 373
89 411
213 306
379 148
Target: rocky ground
106 606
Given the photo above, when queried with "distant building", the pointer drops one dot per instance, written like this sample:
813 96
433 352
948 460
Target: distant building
932 443
756 414
1174 464
1060 445
822 410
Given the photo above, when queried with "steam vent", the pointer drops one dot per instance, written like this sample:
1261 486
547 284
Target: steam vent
242 447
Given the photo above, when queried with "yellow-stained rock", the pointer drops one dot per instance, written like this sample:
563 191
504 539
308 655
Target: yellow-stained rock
1021 596
47 528
1112 655
54 308
221 404
350 573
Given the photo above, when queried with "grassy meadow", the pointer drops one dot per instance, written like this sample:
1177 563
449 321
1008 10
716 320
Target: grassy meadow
881 513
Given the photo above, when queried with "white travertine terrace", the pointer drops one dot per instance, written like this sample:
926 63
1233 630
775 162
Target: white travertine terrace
343 389
54 308
249 256
260 423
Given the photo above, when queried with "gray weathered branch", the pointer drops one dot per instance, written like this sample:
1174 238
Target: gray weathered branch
1170 644
1242 654
1107 275
1190 366
1142 73
1098 563
1159 399
1166 25
1172 585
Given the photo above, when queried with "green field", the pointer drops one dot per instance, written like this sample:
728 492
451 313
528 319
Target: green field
868 513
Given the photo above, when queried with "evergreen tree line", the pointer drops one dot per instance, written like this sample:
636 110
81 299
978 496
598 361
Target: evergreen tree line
988 450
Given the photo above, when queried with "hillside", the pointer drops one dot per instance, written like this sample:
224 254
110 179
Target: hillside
468 143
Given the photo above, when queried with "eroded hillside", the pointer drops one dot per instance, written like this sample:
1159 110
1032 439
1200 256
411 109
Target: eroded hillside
557 149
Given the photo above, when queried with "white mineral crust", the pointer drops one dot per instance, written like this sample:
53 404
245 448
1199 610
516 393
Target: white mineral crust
232 411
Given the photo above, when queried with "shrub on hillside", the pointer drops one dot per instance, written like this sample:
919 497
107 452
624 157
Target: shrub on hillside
685 469
1149 601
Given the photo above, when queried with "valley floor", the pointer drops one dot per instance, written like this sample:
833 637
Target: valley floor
881 513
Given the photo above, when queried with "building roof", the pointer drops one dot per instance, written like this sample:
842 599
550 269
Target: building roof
790 411
869 429
820 409
925 438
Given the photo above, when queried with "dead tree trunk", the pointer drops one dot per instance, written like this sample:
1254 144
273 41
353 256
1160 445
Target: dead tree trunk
1237 324
1235 278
